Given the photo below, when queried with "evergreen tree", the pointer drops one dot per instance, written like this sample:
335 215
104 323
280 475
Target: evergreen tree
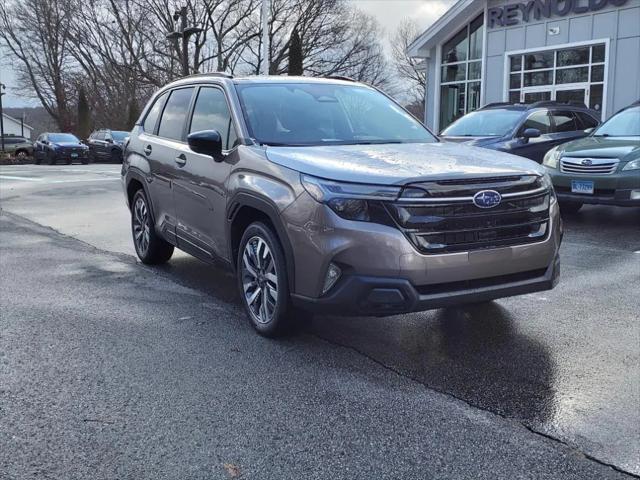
295 54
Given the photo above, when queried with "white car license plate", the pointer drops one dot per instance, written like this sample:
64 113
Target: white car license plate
582 186
74 155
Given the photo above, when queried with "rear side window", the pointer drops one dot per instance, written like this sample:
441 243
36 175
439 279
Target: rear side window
564 122
587 120
539 120
150 121
211 112
175 114
100 136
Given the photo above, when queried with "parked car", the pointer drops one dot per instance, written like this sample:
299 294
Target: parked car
55 147
603 168
107 145
325 195
526 130
19 147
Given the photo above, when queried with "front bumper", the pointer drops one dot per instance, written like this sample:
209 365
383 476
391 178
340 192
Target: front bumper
612 189
360 295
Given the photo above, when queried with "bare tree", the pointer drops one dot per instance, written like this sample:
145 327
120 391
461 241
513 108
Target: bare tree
37 34
408 70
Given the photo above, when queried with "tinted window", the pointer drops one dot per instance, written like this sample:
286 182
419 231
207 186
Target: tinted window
212 113
149 124
327 113
63 137
564 122
587 120
175 114
539 120
485 123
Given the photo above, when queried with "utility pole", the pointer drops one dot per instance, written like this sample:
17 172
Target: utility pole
264 65
2 87
184 33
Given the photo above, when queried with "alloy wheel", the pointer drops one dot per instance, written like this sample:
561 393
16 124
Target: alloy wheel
259 280
141 226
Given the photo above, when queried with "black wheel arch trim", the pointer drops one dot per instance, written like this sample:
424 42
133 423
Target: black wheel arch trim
139 177
267 207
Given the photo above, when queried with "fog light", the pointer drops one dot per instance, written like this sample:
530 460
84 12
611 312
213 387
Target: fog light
635 195
332 276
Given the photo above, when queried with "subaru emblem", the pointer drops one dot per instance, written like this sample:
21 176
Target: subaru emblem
587 162
487 199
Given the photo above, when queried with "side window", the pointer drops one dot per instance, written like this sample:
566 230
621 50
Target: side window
587 120
211 112
564 122
151 119
99 136
539 120
175 114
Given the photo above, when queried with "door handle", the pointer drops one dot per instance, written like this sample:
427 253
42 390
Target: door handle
181 160
147 150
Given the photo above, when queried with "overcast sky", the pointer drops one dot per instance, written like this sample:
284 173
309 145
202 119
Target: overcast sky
388 12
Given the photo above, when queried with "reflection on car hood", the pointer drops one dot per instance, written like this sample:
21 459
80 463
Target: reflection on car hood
399 163
602 147
475 141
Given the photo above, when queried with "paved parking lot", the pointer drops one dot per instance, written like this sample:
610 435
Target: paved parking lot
109 368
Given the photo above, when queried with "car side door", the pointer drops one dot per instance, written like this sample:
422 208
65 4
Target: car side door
534 148
565 126
199 190
39 147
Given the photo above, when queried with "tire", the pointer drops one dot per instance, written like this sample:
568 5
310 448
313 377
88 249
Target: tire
570 207
51 159
85 161
262 269
150 247
21 155
115 156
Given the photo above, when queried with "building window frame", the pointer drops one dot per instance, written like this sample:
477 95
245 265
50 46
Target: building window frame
466 82
553 86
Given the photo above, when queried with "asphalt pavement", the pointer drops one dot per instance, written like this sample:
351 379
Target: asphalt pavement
111 369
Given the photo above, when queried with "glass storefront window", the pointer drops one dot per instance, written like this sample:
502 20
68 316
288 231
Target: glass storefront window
455 50
595 97
534 79
597 54
461 72
516 63
572 75
514 96
536 61
597 73
515 81
573 56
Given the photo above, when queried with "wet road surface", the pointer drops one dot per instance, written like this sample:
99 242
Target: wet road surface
563 364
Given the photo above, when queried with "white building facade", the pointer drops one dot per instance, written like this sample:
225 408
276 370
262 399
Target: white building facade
485 51
15 127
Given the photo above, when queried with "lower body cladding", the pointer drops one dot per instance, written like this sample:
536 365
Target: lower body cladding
381 273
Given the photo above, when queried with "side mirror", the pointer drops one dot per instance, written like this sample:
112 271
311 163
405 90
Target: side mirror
531 133
206 142
589 131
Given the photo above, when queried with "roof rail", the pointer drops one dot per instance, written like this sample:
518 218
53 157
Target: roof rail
497 104
210 74
555 103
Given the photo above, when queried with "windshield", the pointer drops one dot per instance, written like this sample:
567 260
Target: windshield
62 137
119 136
484 123
623 124
326 114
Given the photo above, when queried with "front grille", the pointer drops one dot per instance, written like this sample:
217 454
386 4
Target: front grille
447 225
589 166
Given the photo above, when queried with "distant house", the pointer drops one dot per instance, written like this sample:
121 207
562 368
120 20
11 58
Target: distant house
15 126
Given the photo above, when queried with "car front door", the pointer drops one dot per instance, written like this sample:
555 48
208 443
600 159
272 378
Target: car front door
534 148
38 148
199 190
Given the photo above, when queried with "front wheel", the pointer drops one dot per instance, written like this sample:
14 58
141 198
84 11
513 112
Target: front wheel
262 280
150 247
570 207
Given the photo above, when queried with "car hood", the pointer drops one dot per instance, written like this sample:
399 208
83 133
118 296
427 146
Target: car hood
474 141
603 147
400 163
67 144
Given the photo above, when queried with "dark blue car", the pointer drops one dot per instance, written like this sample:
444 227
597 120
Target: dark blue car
526 130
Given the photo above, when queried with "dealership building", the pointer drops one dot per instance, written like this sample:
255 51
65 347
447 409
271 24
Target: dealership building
485 51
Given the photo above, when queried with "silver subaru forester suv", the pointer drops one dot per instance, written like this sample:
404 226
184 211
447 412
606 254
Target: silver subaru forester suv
325 195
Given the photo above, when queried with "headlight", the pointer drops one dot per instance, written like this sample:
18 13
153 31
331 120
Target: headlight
632 165
551 158
548 183
352 201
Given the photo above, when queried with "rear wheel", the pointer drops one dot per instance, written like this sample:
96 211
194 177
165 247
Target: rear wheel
150 247
570 207
262 280
21 155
